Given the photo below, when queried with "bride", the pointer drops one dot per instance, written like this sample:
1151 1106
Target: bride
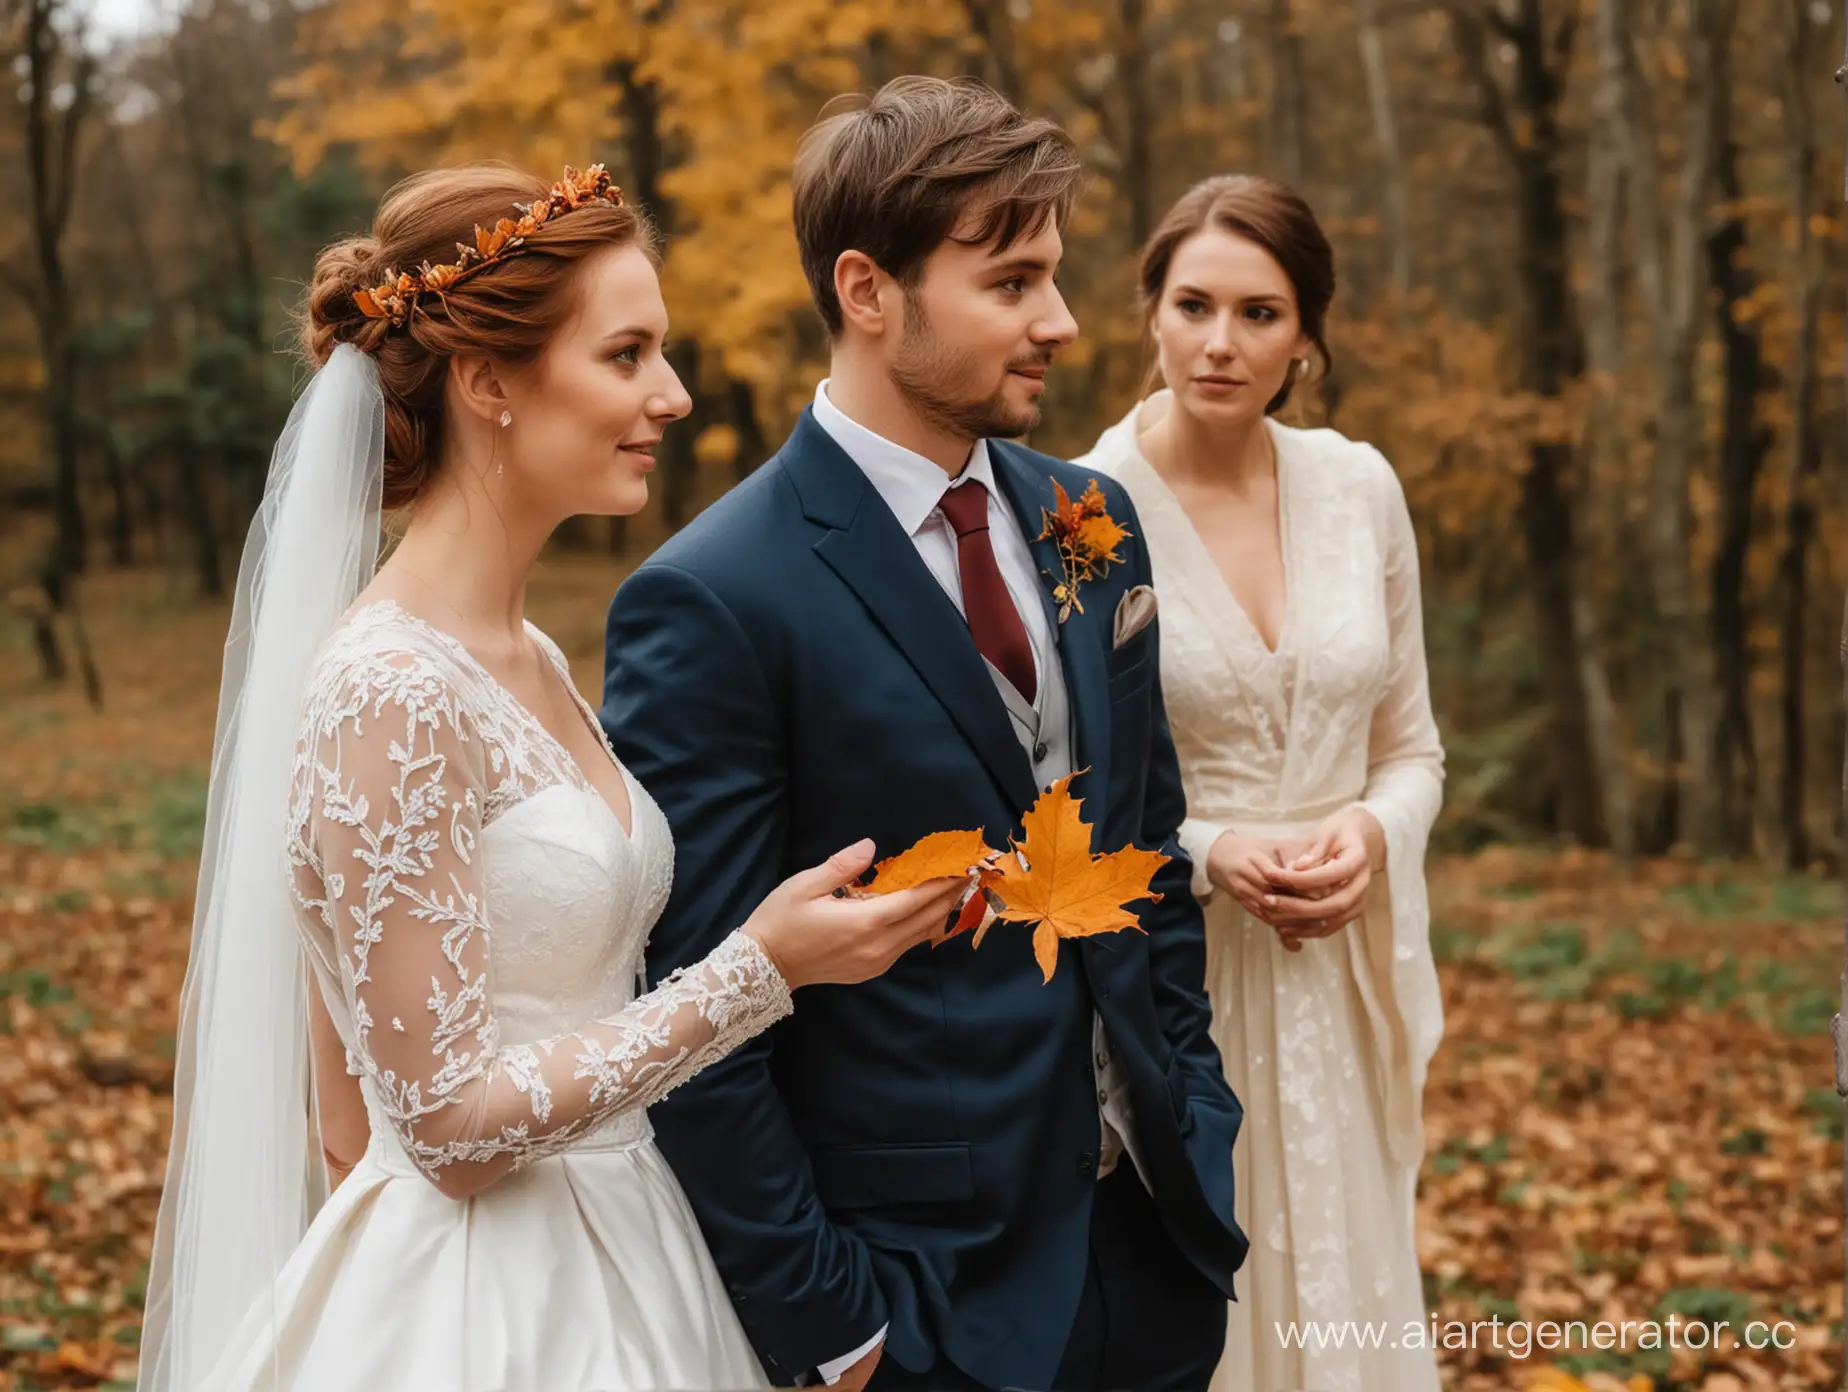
405 773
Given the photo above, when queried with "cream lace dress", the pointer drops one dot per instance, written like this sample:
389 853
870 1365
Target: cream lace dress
1327 1048
476 914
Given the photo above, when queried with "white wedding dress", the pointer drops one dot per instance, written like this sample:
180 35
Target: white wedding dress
1326 1048
476 916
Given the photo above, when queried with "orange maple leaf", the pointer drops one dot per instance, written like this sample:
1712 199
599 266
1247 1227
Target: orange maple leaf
1053 879
1099 537
942 855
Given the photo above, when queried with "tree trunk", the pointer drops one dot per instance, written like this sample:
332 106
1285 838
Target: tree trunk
1838 1027
121 504
1804 460
195 504
1139 119
51 156
1288 95
1674 283
1552 354
1602 483
993 27
1567 652
60 589
72 544
1231 67
741 411
1386 138
1742 454
40 612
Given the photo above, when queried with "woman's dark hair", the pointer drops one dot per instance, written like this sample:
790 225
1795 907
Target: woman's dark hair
1264 211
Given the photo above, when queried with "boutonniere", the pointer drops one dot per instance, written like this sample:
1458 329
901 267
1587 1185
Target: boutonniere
1087 537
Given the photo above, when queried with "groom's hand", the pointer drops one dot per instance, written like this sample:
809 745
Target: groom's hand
859 1374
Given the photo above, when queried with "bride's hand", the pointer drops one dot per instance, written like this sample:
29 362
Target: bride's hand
814 935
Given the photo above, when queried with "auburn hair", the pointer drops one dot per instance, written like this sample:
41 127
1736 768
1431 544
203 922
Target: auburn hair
508 311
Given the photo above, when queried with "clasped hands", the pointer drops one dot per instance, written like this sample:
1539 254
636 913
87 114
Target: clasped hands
1303 888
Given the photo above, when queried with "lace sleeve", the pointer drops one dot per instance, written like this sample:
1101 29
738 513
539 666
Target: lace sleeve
399 782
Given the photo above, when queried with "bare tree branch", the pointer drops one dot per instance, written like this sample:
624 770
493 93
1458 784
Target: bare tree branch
70 134
1106 119
1564 37
990 22
1467 22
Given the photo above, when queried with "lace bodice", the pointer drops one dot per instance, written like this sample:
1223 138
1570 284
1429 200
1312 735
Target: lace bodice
476 914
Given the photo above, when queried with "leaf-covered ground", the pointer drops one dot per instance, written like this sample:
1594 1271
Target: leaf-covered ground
1632 1115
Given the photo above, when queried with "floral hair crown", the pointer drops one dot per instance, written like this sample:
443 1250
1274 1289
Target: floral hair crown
398 296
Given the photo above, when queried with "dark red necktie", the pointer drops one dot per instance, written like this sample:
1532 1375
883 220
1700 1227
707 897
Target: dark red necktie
994 622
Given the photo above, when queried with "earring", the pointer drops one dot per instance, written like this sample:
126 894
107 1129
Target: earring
1302 367
506 419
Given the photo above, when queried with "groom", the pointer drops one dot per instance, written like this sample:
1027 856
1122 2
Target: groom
953 1176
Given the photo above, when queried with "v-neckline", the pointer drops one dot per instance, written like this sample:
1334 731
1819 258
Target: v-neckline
1202 554
585 714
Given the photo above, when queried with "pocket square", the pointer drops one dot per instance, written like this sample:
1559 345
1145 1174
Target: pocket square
1133 613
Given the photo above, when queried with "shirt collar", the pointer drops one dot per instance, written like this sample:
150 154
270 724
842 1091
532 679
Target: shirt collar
910 484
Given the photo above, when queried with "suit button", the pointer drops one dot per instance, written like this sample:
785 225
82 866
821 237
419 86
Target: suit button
1039 752
1103 1098
1087 1165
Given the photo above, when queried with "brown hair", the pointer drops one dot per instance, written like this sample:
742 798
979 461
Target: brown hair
1267 212
894 176
509 311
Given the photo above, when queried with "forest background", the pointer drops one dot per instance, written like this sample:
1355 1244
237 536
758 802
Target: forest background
1591 289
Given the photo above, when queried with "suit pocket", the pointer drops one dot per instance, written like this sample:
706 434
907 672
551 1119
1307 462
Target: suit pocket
1135 649
1178 1099
884 1176
1128 680
1131 721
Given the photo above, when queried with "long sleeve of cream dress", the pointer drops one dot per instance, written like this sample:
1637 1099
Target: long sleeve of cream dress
1326 1048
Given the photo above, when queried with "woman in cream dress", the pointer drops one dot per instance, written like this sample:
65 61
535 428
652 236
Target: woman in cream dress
1294 674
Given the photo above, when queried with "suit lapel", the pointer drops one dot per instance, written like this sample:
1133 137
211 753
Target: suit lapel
866 547
1080 640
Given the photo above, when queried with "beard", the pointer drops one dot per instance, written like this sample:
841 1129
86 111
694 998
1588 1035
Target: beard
944 383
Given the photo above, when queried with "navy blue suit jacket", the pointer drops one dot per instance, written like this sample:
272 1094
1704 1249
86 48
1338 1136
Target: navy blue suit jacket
785 677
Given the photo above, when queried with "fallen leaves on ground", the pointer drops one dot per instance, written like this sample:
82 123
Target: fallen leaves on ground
1632 1116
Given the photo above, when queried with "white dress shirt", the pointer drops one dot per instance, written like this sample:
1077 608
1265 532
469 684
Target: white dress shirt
912 488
